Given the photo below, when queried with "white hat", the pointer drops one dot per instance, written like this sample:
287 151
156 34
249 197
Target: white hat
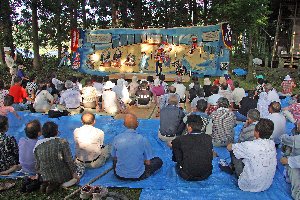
287 78
207 81
108 85
7 49
156 82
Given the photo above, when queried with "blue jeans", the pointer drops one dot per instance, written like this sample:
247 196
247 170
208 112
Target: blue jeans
239 116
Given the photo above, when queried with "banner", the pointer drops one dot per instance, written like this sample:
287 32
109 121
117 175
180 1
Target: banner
74 39
227 35
99 38
210 36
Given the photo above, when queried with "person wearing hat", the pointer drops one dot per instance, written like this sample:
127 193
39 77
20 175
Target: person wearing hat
110 103
287 86
71 98
180 89
10 62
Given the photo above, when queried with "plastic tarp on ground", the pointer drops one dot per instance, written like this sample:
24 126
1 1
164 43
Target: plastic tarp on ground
165 184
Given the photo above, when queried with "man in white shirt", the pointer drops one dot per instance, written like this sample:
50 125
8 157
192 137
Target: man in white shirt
71 98
89 143
279 121
272 94
238 93
180 89
10 62
259 158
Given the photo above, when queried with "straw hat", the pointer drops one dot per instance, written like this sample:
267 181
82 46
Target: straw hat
108 85
207 81
287 78
222 80
156 82
7 49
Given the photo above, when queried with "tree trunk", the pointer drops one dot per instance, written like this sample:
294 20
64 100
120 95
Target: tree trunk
35 34
73 20
123 9
205 12
138 14
113 13
84 23
249 76
58 28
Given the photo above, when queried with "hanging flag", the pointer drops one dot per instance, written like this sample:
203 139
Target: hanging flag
74 39
227 35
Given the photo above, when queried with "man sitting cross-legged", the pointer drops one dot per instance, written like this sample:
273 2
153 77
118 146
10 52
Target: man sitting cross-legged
132 153
193 152
258 157
89 143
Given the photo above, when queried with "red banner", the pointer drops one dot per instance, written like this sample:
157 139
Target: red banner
227 35
74 39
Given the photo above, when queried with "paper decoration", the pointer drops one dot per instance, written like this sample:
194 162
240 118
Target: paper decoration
210 36
74 39
99 38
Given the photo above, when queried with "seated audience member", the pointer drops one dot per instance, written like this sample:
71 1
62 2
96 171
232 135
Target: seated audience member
121 91
279 121
132 153
223 123
33 130
193 152
71 98
150 80
194 87
247 103
76 84
171 120
54 160
133 87
162 78
43 100
180 89
213 99
226 92
292 112
89 143
260 87
238 94
207 87
110 103
229 81
165 98
143 96
200 111
199 95
3 92
32 86
7 107
89 95
272 94
56 82
122 78
157 90
259 162
263 105
195 81
19 94
247 133
98 84
287 86
9 152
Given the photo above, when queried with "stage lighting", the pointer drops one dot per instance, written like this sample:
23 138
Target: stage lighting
95 57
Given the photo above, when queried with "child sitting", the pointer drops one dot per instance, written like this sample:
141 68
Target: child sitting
8 102
9 152
259 159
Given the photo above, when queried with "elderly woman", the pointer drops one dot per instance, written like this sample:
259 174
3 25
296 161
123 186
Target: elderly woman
89 95
43 100
223 123
54 160
133 86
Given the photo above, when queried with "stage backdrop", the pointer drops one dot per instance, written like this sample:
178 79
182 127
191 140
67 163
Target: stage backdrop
199 50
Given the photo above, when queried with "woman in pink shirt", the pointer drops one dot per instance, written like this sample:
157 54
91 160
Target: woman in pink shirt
157 89
7 107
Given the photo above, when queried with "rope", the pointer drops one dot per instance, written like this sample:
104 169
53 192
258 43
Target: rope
90 182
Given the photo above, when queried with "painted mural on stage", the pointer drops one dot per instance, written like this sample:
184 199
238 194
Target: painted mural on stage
198 50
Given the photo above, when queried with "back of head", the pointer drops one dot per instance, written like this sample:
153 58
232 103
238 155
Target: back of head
130 121
224 86
134 79
144 85
251 93
260 81
106 78
265 128
99 79
150 79
32 129
196 123
50 129
8 100
298 98
268 86
68 84
17 80
201 105
88 82
88 118
223 102
172 89
32 77
194 79
162 77
275 107
214 89
173 99
73 79
3 124
253 114
199 91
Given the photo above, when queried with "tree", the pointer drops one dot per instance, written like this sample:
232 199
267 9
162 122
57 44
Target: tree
35 34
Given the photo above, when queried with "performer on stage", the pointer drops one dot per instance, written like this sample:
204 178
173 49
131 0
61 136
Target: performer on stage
144 62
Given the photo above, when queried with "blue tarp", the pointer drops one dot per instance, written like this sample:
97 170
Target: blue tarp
165 184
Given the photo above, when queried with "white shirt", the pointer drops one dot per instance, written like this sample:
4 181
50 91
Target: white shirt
110 101
88 142
294 162
238 94
213 99
9 62
99 88
180 89
41 101
56 82
89 94
279 126
71 98
259 158
273 96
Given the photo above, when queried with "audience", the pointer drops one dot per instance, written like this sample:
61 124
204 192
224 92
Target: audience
89 95
32 86
260 86
133 87
271 93
165 98
7 107
292 112
193 152
89 143
263 105
157 90
199 96
43 100
19 94
180 89
213 99
238 94
110 103
132 153
143 96
226 92
71 98
247 133
247 103
287 86
207 87
3 92
121 91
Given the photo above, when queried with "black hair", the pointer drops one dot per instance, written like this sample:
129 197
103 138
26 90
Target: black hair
144 85
265 128
32 129
298 98
105 78
1 84
194 78
275 106
17 80
201 105
251 93
195 122
32 77
172 89
8 100
224 86
260 81
3 124
88 82
73 79
99 79
150 79
214 89
162 77
200 92
50 129
223 102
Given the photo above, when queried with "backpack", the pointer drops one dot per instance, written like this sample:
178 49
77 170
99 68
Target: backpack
57 113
